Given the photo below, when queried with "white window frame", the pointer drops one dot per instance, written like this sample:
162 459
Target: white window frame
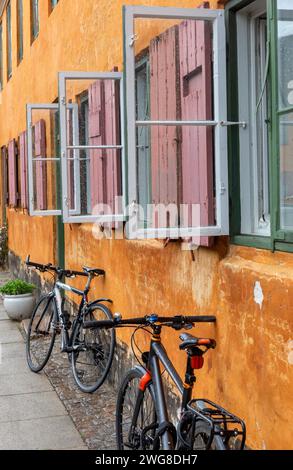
217 18
31 187
68 217
249 159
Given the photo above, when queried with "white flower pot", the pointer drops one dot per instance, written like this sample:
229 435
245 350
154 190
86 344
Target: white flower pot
19 307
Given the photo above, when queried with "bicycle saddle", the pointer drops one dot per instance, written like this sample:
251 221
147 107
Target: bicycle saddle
189 341
95 271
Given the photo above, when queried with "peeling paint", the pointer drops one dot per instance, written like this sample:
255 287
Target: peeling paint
258 294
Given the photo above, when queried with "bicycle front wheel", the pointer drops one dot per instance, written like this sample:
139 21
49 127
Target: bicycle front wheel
136 420
93 351
41 333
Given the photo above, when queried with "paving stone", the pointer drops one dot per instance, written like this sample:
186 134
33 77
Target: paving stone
23 383
30 406
46 433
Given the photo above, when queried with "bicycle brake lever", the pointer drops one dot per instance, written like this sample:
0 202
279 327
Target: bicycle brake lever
188 326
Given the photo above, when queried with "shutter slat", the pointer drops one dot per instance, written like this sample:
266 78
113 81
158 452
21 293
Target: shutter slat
41 168
23 170
12 173
195 49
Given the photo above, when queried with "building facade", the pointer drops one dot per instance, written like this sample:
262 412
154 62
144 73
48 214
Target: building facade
232 72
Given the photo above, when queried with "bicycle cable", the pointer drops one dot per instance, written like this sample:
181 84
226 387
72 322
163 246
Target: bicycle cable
134 343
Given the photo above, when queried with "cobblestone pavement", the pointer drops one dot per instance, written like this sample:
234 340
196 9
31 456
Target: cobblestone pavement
92 414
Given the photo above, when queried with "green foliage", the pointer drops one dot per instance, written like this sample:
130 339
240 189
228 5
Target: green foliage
17 287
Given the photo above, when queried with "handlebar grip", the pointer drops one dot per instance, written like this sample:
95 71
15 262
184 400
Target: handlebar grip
201 318
99 324
69 273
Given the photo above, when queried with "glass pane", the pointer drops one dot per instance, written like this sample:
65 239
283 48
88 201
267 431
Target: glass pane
98 170
285 49
175 174
286 171
179 56
46 159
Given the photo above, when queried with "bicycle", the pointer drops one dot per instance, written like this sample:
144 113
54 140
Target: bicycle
142 420
90 353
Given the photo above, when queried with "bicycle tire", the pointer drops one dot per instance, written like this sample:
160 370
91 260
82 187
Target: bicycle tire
35 353
202 434
96 350
140 438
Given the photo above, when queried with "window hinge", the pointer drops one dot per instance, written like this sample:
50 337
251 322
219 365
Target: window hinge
222 189
132 40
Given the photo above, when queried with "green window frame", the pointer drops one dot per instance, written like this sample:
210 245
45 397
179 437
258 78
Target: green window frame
35 19
279 239
19 30
9 41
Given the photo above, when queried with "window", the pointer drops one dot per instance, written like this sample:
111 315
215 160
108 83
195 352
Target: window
100 186
35 27
176 143
1 57
53 3
253 109
44 163
9 41
19 30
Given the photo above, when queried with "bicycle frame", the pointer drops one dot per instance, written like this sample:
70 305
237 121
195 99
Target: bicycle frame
157 355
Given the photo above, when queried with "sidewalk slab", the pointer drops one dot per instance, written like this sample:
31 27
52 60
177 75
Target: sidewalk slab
41 434
23 383
9 325
13 365
10 336
30 406
14 350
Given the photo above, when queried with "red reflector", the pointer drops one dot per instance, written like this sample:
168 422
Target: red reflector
197 362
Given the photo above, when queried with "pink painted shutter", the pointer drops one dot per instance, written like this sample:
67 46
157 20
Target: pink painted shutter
5 177
70 163
195 49
41 169
12 173
165 141
112 137
96 137
23 170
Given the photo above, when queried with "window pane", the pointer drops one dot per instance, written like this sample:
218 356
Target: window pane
285 49
286 171
35 18
19 30
9 39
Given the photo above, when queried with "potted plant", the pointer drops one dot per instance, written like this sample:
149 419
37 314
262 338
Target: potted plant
18 298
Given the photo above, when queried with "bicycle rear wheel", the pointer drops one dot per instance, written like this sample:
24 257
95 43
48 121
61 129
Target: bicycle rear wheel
136 420
93 351
201 437
41 333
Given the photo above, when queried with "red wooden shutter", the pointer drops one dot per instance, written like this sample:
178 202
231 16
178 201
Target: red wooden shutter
12 173
23 170
112 137
96 137
164 96
70 162
41 169
195 49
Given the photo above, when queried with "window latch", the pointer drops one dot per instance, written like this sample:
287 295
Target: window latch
243 124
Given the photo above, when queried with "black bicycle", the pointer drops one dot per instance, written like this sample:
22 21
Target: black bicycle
91 351
142 419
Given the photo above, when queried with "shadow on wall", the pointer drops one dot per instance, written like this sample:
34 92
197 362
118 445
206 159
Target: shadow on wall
3 247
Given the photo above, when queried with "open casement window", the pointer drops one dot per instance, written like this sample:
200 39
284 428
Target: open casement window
283 119
101 151
44 172
5 176
184 128
12 173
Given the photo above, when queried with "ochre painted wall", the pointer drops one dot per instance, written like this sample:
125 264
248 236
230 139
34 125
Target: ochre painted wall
250 291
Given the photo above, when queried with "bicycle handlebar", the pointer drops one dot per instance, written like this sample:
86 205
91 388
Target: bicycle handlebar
178 321
56 269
